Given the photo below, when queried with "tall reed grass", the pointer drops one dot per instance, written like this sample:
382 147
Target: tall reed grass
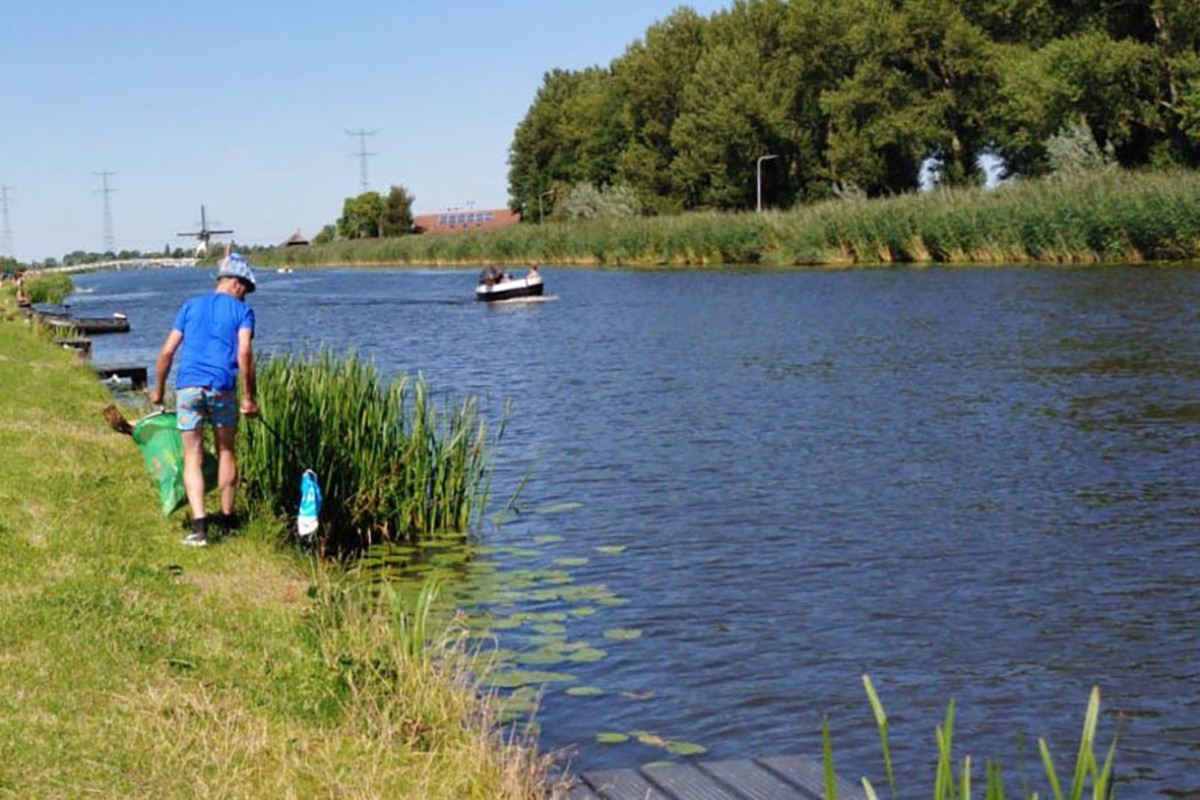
949 784
50 289
1104 217
394 464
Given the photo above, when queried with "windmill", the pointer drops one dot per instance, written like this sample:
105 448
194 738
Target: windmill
203 235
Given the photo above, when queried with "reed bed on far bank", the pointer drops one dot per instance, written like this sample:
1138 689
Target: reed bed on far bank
394 464
1111 217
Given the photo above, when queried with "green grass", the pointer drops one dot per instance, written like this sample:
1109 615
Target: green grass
1122 217
394 464
131 666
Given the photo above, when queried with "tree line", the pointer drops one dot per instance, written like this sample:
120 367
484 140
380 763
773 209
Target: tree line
371 215
858 96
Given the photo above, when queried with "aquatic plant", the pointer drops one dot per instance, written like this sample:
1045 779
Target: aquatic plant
394 464
949 786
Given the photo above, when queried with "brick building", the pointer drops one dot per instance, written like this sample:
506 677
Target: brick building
454 221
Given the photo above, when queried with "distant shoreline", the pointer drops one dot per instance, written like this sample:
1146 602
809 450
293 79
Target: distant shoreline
1100 218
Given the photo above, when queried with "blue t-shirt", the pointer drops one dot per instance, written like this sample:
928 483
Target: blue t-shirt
210 324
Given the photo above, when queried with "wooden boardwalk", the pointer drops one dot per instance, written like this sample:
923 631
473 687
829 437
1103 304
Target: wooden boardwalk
779 778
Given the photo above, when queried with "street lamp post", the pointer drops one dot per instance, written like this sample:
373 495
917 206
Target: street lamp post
540 196
758 170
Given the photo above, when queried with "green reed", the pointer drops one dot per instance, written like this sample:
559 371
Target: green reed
394 464
949 786
1104 217
50 289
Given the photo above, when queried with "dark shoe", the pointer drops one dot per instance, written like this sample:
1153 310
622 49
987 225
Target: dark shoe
228 523
199 535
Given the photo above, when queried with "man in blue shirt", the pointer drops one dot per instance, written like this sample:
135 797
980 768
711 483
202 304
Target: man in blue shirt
215 331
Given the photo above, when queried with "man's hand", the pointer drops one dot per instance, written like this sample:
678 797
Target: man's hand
249 407
156 397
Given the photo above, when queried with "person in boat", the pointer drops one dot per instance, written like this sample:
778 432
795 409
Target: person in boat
490 276
533 272
215 331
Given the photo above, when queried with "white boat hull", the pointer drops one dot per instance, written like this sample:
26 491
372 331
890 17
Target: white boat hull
530 286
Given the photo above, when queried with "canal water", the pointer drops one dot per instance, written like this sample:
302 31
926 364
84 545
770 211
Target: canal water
980 484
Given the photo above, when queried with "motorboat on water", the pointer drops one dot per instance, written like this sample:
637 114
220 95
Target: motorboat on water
497 285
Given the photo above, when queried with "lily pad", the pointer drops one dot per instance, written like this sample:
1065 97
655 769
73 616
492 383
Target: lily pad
550 538
523 700
524 552
587 655
541 616
583 611
584 691
513 680
558 509
686 749
570 562
650 738
622 633
612 549
611 737
542 656
551 628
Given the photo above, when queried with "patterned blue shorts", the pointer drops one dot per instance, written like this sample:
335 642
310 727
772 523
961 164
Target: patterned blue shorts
197 405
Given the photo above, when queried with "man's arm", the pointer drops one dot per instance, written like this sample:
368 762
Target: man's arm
246 368
162 367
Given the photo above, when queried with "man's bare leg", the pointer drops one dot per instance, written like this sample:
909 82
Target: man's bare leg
227 474
193 472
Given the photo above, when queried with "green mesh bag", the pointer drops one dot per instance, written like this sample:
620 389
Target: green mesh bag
157 436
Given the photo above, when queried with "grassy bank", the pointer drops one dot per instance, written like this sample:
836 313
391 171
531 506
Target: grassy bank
1110 217
131 666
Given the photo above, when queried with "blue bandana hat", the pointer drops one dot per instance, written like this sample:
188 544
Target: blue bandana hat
234 266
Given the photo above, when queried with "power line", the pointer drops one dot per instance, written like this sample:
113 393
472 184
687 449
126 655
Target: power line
362 153
110 241
6 240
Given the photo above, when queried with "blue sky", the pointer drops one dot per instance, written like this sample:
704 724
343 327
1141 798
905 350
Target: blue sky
244 107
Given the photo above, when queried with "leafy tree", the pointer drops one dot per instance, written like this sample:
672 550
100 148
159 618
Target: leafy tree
735 109
650 78
326 235
586 201
857 94
573 132
1073 150
362 216
923 84
398 216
